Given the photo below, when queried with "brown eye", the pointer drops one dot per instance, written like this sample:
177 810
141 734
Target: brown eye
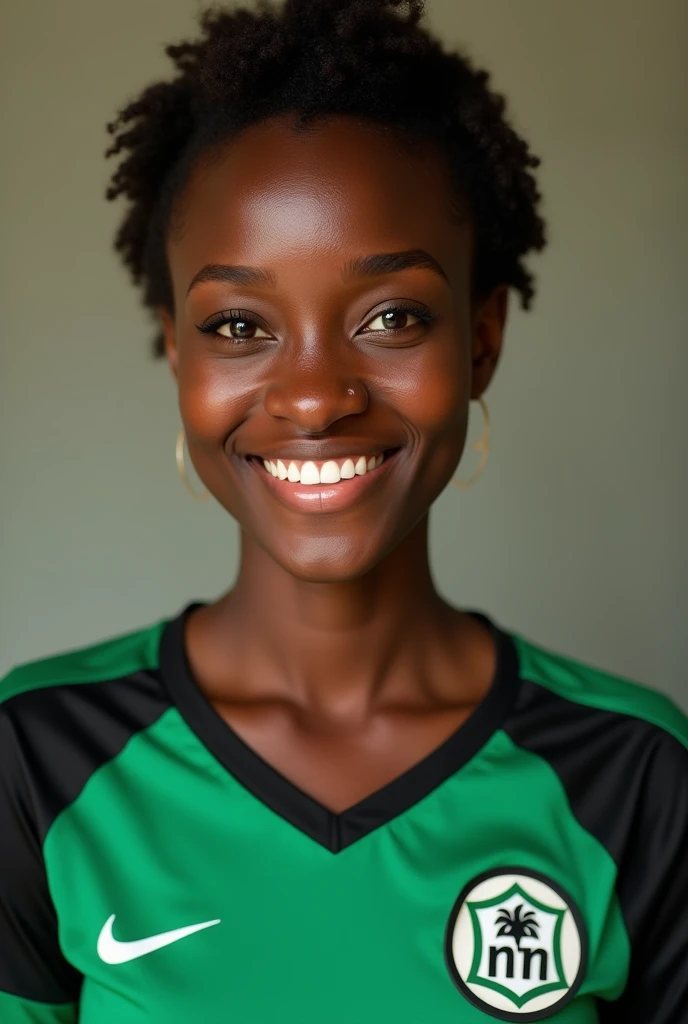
240 330
391 320
395 318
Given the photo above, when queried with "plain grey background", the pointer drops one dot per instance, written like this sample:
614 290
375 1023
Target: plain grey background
576 533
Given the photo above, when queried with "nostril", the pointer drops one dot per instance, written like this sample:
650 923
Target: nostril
314 405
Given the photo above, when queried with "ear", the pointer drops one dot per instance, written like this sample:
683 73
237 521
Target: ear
170 339
488 334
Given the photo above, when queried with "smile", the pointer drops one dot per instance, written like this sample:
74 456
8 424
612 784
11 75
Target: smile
326 485
325 472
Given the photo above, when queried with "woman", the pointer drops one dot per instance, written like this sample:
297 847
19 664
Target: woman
329 794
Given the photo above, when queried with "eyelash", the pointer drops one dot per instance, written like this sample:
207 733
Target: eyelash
212 325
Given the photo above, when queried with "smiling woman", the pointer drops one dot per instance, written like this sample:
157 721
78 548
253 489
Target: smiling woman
340 797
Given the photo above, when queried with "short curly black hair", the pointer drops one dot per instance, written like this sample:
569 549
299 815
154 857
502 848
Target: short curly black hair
316 58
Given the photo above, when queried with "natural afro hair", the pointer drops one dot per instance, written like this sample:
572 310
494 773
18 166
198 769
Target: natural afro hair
366 58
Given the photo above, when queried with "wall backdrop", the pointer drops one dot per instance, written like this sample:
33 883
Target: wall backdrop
576 533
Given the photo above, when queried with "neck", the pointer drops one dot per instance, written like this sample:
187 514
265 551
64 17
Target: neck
360 635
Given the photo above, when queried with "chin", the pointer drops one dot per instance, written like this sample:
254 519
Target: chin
328 559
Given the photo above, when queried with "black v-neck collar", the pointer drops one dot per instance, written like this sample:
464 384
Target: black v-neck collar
336 831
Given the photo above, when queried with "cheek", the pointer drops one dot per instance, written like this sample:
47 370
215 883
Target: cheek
436 405
214 397
433 390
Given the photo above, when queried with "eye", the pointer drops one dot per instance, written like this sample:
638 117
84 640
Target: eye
398 318
241 329
235 325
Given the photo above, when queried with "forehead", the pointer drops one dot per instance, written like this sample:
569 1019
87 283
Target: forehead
340 187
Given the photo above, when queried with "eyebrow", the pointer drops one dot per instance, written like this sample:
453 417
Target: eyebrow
361 266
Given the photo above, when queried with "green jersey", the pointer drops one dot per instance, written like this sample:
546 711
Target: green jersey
154 868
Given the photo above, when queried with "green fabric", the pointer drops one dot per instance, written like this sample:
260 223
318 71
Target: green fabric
305 935
596 688
14 1010
108 659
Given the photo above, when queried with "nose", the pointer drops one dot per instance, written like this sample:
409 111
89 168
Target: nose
313 399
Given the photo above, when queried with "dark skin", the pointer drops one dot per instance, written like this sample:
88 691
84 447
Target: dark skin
333 656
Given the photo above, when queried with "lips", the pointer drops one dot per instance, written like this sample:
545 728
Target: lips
325 485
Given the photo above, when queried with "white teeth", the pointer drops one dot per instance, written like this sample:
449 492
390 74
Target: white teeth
309 473
329 474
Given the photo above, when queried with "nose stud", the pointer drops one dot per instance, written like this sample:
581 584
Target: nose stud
358 390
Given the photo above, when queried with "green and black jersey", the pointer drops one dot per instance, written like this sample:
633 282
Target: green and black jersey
153 868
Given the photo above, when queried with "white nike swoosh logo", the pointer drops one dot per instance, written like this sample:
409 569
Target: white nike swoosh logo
111 951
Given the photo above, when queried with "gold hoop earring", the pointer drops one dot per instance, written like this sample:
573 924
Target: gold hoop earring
179 452
482 446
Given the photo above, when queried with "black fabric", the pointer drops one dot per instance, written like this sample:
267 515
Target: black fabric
51 742
67 732
31 963
627 783
336 831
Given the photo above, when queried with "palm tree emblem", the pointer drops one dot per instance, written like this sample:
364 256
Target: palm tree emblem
519 925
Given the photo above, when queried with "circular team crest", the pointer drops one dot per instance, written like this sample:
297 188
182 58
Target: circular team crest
516 945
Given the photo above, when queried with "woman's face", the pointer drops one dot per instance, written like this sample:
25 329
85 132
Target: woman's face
291 345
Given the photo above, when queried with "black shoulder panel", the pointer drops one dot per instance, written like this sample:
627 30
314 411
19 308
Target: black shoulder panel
627 783
66 732
51 742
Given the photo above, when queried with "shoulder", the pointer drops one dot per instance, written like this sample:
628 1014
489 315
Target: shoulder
65 716
104 660
638 706
619 750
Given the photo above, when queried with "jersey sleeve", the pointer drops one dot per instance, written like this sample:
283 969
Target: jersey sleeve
37 984
653 892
